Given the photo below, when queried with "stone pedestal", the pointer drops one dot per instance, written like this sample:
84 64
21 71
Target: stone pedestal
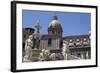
35 54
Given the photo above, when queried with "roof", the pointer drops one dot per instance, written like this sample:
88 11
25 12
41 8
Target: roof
76 36
29 29
47 36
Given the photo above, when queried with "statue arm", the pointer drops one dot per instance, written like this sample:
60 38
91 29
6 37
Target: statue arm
25 45
29 43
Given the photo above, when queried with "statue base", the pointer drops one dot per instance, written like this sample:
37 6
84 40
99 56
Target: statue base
35 54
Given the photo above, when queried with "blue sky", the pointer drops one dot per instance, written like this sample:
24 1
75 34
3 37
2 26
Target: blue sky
73 23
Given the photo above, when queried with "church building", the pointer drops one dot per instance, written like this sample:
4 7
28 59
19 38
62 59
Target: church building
52 40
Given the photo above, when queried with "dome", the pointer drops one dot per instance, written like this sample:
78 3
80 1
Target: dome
54 23
55 26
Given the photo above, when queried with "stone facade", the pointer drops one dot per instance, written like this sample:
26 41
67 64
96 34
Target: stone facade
79 46
50 42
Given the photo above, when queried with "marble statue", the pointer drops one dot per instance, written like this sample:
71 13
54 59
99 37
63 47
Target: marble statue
28 48
53 56
65 50
44 55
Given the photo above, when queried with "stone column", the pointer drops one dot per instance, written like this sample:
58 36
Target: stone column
87 55
82 55
56 43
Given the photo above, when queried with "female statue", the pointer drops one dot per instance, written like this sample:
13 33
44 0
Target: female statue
28 48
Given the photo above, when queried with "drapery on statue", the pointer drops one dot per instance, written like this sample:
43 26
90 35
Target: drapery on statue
28 48
41 56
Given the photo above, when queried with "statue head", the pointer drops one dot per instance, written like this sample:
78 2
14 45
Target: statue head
65 44
31 37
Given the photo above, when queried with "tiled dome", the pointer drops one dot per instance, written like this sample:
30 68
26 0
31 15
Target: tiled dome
55 25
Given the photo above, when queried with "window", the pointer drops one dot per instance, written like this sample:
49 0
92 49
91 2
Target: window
49 42
61 43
